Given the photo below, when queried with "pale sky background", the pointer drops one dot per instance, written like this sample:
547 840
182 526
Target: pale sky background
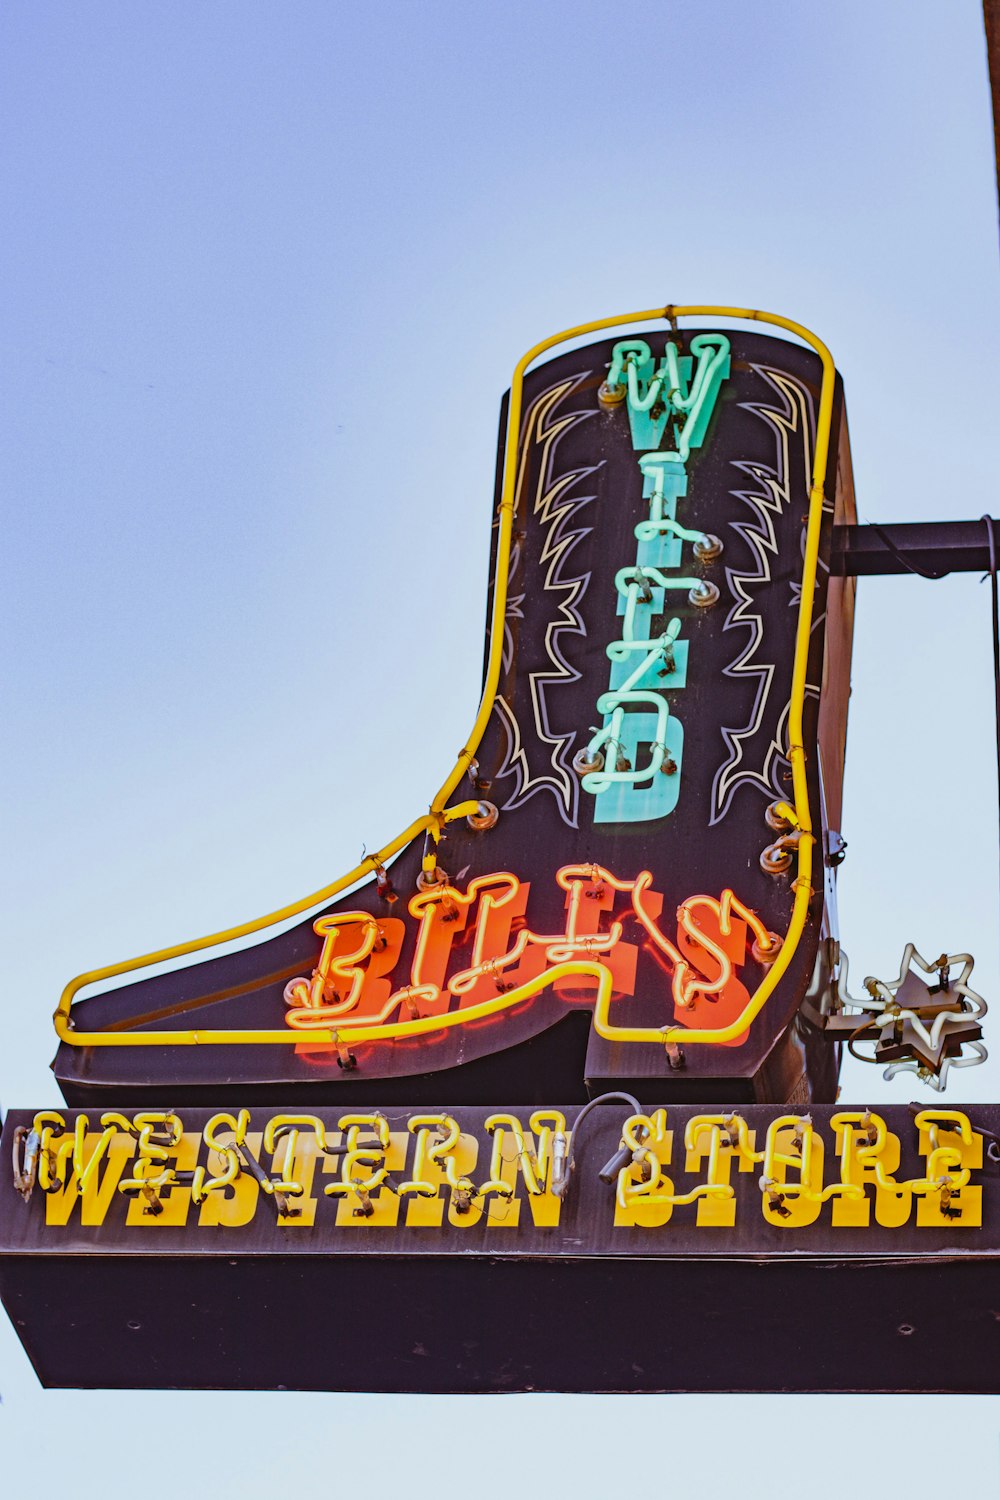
265 271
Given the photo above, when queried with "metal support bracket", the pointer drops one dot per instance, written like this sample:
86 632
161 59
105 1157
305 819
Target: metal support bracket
932 549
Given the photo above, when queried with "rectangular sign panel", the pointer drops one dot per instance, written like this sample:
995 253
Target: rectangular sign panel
437 1250
453 1181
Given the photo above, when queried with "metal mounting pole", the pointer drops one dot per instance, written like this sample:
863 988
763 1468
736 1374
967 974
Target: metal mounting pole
931 549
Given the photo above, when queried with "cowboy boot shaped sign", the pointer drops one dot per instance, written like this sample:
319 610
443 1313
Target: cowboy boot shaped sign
622 882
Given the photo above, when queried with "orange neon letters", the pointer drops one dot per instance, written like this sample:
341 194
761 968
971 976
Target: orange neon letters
352 982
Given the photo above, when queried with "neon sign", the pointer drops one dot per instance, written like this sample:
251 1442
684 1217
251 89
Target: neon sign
432 1170
346 1248
564 956
622 465
498 954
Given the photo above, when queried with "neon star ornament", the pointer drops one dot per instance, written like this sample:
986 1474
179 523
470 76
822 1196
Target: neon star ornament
925 1029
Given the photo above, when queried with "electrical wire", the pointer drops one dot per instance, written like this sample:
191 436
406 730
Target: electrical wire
907 562
862 1057
990 525
991 534
616 1097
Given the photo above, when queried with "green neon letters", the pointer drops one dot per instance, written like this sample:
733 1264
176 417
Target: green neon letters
632 763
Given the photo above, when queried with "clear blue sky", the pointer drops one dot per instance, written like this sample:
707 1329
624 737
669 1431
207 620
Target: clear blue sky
265 271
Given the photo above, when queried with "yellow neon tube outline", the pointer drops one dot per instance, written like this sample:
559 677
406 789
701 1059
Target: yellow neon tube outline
438 810
67 1033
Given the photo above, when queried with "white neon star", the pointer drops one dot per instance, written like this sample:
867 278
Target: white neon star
881 1001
